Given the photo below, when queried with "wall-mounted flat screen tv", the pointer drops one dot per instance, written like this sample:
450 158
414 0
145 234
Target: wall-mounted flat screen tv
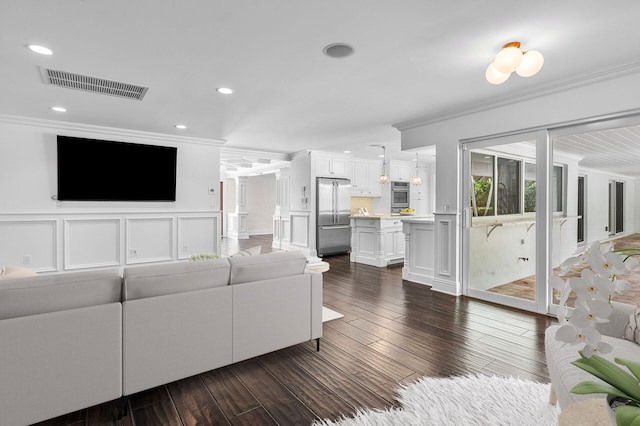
100 170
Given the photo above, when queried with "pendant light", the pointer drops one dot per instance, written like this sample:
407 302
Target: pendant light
384 177
416 180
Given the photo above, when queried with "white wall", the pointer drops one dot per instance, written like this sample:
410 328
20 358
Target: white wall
261 203
47 235
28 169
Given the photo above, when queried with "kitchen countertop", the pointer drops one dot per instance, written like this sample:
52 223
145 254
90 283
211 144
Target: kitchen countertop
390 216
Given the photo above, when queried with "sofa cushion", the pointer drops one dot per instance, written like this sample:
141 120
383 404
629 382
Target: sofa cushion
248 252
632 330
171 278
266 266
9 272
41 294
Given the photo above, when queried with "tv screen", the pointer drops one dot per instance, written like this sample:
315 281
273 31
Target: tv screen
98 170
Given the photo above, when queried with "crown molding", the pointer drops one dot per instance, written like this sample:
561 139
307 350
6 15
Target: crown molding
106 131
576 81
231 152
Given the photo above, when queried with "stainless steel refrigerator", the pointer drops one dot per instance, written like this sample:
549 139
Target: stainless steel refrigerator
333 207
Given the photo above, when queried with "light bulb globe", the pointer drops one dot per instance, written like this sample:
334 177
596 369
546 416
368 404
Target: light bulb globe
532 62
494 76
508 59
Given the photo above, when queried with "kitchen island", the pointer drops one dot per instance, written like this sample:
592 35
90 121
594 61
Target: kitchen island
378 240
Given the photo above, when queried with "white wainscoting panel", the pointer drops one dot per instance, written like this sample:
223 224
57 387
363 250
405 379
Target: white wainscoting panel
300 230
91 243
149 239
197 235
29 243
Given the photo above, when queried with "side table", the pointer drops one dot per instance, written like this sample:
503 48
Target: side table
587 412
318 267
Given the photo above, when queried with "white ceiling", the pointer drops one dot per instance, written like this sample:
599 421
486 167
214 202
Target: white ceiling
413 59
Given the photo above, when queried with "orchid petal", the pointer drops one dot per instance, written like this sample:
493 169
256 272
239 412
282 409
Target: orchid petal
631 263
591 336
604 348
569 334
600 309
588 350
621 285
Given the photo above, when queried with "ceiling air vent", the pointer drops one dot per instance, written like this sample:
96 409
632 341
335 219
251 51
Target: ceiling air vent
93 84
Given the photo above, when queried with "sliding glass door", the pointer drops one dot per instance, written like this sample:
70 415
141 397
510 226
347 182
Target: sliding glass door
503 194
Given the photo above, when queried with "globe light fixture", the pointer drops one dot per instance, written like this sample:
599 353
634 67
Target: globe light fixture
416 180
510 59
384 177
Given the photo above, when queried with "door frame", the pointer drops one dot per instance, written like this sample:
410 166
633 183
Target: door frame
542 229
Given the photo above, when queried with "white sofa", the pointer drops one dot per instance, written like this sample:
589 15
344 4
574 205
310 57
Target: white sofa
60 344
564 375
157 324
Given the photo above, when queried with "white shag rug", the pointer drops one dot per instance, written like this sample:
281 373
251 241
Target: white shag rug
329 314
460 401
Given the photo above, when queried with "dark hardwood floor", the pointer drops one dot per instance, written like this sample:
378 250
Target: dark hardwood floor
392 332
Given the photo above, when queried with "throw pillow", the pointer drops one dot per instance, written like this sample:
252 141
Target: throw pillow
248 252
632 331
9 272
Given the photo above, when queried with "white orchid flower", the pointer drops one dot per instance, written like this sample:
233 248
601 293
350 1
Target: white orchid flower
568 333
591 287
601 348
596 312
607 264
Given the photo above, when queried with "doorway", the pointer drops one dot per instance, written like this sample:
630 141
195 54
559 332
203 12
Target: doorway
581 210
616 207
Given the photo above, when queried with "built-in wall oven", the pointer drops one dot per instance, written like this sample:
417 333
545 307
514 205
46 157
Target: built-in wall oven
399 196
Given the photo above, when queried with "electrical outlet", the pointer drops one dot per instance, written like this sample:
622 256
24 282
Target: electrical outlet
26 259
185 248
133 252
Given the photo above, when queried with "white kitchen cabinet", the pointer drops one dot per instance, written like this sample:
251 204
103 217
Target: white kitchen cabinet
394 242
401 171
419 195
360 178
365 180
331 167
375 187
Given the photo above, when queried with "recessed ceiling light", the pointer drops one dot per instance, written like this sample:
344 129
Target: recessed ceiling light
381 156
224 90
40 49
59 109
338 50
347 152
180 126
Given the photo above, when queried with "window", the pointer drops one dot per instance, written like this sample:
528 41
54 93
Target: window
529 187
557 188
508 186
482 178
514 191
